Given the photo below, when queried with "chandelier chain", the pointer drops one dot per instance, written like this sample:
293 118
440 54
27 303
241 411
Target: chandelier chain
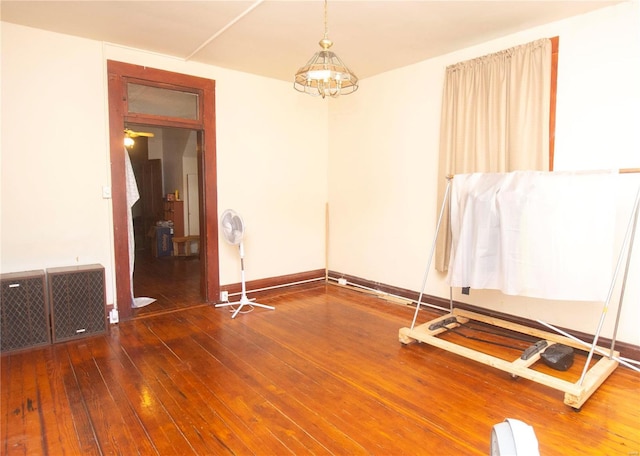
326 22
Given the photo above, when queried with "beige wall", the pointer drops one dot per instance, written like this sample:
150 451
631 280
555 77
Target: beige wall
54 152
384 147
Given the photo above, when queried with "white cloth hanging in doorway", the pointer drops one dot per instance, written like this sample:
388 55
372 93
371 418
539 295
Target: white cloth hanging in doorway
546 235
133 195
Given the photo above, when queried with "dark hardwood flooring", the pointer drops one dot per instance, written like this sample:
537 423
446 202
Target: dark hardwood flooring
322 374
173 281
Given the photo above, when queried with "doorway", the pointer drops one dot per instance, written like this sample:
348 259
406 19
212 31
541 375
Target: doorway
133 100
166 273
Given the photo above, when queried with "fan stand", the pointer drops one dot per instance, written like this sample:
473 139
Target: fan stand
244 300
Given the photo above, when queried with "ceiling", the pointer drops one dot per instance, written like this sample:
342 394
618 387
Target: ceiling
273 38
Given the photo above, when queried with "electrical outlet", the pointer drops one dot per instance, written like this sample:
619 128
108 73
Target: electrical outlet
113 316
224 295
342 281
106 191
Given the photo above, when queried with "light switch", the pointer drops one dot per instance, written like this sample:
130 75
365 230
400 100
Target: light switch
106 191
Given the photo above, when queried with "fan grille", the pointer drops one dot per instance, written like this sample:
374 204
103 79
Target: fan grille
232 227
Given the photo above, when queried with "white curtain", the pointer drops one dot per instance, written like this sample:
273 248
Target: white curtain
133 195
495 118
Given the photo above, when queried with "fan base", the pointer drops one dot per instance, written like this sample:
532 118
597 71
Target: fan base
244 301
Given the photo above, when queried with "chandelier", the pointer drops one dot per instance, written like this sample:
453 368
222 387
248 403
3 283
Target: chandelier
325 74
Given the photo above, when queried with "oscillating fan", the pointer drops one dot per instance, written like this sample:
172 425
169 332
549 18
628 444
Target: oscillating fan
232 227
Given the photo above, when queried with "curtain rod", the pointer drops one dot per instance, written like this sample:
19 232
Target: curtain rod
620 171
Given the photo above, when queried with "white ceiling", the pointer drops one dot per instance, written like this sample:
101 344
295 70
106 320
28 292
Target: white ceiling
274 38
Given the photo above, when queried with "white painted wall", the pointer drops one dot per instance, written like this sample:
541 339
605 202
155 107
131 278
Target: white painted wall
383 161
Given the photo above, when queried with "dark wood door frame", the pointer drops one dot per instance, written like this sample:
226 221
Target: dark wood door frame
119 74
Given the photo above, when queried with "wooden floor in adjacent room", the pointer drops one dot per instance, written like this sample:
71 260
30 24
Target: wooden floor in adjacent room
324 373
172 281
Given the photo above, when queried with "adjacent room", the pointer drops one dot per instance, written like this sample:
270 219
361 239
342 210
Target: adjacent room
211 243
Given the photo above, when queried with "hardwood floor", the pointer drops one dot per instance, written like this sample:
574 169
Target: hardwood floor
174 282
322 374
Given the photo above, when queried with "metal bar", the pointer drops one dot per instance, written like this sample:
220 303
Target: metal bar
605 307
634 217
433 248
599 350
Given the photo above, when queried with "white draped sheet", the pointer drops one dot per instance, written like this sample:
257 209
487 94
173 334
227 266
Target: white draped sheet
133 196
546 235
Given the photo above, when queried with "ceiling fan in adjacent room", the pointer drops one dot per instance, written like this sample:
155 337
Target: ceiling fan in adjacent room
130 134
